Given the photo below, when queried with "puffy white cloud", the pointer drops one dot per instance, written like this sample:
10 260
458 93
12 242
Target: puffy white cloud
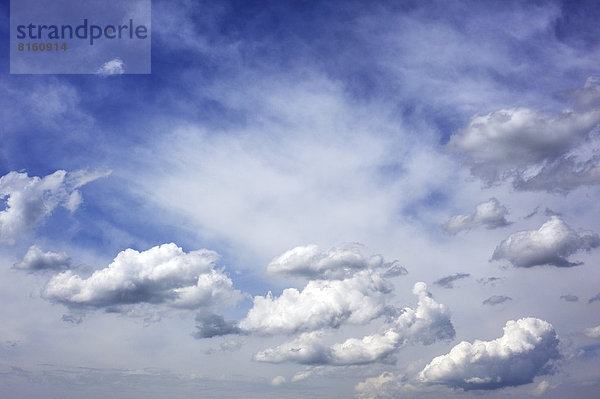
536 150
496 300
551 244
31 199
593 332
509 141
526 350
113 67
35 260
322 303
491 214
337 263
162 274
447 282
429 322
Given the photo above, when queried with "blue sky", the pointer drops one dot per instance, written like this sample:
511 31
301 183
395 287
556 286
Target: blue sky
309 199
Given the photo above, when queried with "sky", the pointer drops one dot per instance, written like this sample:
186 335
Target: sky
371 200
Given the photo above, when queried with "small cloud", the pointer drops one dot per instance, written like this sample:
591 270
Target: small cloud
489 280
112 67
569 298
496 300
595 298
593 332
214 325
447 282
491 214
543 387
72 318
278 381
37 260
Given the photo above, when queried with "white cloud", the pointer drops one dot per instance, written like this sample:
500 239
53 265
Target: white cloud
322 303
593 332
384 386
278 380
429 322
526 350
551 244
35 259
337 263
162 274
491 214
542 388
29 200
112 67
514 142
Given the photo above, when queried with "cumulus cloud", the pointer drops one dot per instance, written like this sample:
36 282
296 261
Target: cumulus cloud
496 300
551 244
29 200
36 260
322 303
163 274
491 214
569 298
517 142
447 282
113 67
337 263
427 323
384 386
526 350
593 332
214 325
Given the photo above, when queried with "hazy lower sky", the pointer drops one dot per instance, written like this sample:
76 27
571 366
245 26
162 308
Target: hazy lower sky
309 199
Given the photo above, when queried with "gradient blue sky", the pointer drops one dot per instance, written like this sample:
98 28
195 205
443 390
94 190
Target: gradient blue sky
460 139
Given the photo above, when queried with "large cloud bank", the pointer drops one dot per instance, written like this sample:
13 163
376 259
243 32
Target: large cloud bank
526 350
163 274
